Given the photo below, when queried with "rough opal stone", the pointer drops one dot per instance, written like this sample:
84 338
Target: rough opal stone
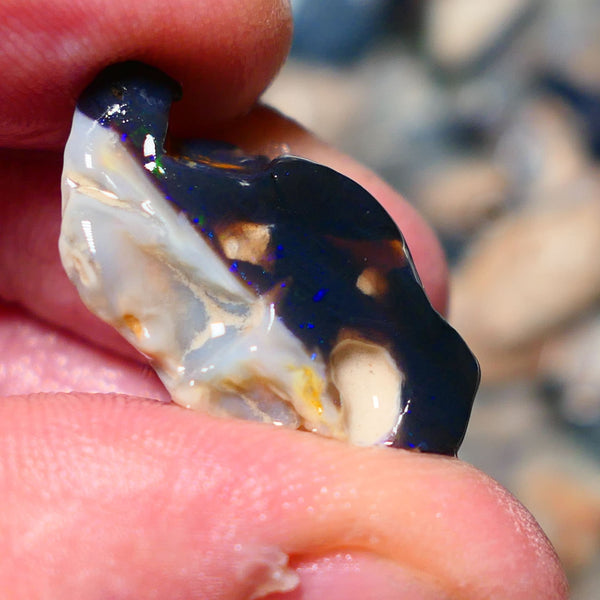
273 290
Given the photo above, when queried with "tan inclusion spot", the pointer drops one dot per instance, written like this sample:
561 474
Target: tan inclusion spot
309 387
245 241
372 282
134 325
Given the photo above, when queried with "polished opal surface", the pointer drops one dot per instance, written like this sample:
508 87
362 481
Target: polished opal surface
273 290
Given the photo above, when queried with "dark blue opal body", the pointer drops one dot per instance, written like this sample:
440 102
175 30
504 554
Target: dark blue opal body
325 232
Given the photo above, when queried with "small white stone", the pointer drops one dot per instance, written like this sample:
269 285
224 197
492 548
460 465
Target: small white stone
459 31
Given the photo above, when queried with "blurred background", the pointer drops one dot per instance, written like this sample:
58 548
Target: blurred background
486 115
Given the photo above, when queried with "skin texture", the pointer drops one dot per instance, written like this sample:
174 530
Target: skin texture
118 495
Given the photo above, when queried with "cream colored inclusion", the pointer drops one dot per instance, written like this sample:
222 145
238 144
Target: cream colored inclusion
369 384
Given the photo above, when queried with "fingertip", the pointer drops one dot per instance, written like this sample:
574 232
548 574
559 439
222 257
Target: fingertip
190 494
223 52
519 558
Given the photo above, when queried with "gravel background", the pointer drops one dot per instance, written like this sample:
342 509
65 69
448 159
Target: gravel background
486 115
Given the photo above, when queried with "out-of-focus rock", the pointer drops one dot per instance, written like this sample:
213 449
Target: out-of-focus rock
571 40
323 99
506 420
585 102
529 274
460 33
570 363
405 116
506 364
585 585
461 196
337 31
541 147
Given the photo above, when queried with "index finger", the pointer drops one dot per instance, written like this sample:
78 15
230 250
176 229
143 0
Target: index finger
51 49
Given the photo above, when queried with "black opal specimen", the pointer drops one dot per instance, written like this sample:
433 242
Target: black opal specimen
308 243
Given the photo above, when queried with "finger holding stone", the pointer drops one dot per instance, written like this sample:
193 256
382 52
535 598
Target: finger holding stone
224 53
128 498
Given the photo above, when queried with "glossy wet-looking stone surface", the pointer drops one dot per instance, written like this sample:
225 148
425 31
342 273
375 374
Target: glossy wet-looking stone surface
276 290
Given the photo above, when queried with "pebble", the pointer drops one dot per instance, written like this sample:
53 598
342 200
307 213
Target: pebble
311 95
460 33
529 274
337 31
570 363
570 40
541 147
462 196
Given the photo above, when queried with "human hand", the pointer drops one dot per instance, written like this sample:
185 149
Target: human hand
121 496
